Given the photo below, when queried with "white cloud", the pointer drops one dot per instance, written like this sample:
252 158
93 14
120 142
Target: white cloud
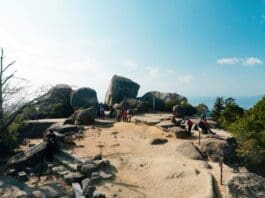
228 61
251 61
130 64
248 61
153 71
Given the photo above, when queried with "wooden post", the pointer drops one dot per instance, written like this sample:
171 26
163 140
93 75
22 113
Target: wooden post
221 171
154 103
199 136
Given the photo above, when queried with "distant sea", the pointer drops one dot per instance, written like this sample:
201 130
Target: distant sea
245 102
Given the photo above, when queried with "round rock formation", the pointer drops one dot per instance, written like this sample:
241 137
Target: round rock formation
84 98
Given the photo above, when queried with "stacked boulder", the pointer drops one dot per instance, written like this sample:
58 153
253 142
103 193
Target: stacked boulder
119 89
162 101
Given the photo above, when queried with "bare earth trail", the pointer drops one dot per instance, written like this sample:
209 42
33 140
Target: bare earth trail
144 170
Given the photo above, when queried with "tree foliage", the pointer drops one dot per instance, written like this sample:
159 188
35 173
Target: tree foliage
231 113
202 109
218 107
250 133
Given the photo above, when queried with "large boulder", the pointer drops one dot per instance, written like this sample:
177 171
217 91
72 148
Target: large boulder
57 102
162 101
85 116
28 158
217 150
120 88
84 98
136 105
183 109
246 185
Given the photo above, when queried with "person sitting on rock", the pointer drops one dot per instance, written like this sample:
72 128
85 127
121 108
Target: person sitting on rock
173 120
203 124
52 144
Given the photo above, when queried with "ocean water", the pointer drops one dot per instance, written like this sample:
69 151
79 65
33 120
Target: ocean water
245 102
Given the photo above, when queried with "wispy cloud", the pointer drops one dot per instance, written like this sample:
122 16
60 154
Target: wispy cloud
185 79
228 61
248 61
130 64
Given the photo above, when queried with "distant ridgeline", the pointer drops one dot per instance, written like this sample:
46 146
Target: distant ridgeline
245 102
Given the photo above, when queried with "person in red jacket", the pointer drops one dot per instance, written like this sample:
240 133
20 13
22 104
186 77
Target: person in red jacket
189 125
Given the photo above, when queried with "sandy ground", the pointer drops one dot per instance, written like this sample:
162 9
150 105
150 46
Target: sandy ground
144 170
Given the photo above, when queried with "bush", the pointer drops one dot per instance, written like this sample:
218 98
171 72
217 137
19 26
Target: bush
250 133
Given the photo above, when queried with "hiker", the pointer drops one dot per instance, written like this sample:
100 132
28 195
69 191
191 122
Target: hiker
124 115
189 125
203 124
52 144
101 111
118 115
129 115
173 120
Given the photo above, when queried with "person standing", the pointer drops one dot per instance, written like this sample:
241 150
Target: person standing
189 125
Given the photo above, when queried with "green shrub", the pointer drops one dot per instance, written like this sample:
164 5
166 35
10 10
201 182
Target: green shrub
250 133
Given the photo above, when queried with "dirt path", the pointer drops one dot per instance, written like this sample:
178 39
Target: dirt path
144 170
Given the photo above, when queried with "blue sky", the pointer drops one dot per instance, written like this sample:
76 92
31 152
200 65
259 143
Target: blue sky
192 47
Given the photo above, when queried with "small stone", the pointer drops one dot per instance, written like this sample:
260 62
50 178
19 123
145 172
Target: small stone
89 168
104 175
73 177
11 172
22 176
98 195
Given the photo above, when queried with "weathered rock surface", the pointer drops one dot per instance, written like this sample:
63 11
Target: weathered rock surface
246 185
57 102
119 88
10 187
163 101
217 149
62 129
84 98
136 105
189 150
29 158
85 116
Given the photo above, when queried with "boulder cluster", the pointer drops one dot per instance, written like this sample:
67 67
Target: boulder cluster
63 101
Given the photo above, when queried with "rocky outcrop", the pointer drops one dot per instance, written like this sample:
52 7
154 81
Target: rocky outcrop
162 101
120 88
57 102
217 150
179 132
29 158
246 185
84 98
136 105
85 116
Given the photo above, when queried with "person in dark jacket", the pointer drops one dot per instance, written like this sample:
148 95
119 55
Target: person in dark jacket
52 144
